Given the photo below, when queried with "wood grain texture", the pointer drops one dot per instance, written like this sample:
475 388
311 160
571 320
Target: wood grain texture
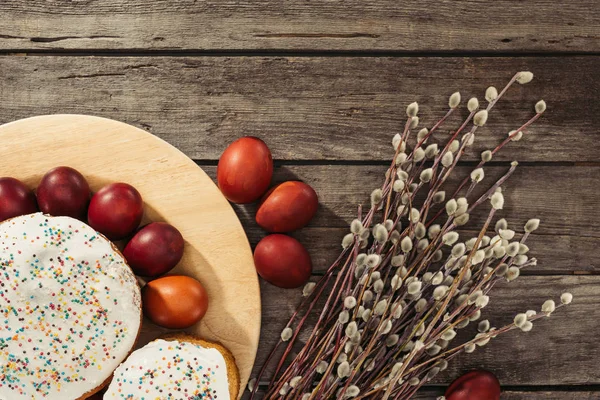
559 195
216 251
502 25
560 350
323 108
433 392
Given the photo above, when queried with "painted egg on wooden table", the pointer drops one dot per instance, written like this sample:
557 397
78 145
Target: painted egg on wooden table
282 261
245 169
287 207
480 385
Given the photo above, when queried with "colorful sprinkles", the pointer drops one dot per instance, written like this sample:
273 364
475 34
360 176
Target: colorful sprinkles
171 370
69 308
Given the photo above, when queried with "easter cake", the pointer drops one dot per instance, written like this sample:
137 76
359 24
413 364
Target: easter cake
177 367
70 309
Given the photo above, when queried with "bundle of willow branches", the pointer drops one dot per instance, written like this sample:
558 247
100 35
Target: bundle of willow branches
405 281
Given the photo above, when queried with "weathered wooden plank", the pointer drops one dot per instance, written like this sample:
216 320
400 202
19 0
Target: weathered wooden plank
431 393
561 350
556 254
563 197
332 108
501 25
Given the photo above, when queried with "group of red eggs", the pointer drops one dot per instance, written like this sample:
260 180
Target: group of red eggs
116 211
244 174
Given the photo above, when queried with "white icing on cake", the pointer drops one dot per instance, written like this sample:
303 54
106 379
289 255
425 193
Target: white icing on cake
69 308
173 370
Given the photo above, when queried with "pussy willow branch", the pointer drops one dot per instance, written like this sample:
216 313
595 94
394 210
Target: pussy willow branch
398 296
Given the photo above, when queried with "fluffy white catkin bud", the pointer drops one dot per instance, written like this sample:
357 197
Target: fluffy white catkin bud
524 77
343 317
527 326
414 122
486 156
480 118
477 175
439 197
399 186
350 302
396 141
351 329
422 133
419 154
347 240
376 196
392 340
451 207
322 367
566 298
491 94
426 175
473 104
450 238
461 219
284 389
548 307
414 215
414 287
308 289
483 326
454 100
520 319
515 136
356 226
506 234
286 334
352 392
421 305
343 370
412 109
295 381
406 244
540 106
447 159
532 225
454 146
431 151
380 233
497 201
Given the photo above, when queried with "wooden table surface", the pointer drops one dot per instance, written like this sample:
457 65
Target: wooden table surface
325 84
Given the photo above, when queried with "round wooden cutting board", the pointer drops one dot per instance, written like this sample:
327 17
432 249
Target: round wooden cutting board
175 190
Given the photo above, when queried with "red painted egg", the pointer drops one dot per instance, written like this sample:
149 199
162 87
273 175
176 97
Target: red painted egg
287 207
480 385
116 210
15 199
245 170
154 250
282 261
64 191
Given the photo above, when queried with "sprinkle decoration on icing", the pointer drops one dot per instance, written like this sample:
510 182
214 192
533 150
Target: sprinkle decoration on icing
172 370
69 308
